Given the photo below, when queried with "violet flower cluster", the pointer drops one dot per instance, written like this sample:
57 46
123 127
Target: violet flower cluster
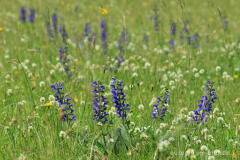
63 102
55 23
23 15
160 107
63 56
99 103
205 107
119 99
173 32
31 16
155 19
103 26
63 32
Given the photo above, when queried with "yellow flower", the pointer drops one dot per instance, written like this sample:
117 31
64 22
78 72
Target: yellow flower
48 104
144 3
104 11
1 29
210 20
75 100
235 76
234 155
16 72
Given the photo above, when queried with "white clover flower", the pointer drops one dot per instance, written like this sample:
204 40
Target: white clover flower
30 74
147 64
26 61
183 138
134 74
163 125
42 99
218 68
201 71
154 99
30 128
204 131
196 75
7 76
158 131
132 124
171 139
171 83
198 141
190 153
210 138
22 157
216 152
20 104
165 78
6 56
204 148
34 65
137 129
62 134
52 71
192 92
211 158
97 47
237 100
141 107
163 145
111 140
42 84
194 70
9 91
191 113
143 136
220 120
216 110
51 98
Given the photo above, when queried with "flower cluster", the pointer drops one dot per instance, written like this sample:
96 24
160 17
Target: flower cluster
64 59
205 107
161 107
63 32
55 22
99 103
23 16
31 16
103 26
155 19
119 99
64 104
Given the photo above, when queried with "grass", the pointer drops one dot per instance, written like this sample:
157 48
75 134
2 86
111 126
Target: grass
30 64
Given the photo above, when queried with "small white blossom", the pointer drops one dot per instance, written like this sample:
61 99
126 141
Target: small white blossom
141 107
42 99
204 148
9 91
42 83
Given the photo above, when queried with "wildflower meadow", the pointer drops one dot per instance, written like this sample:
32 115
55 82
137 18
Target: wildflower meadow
119 79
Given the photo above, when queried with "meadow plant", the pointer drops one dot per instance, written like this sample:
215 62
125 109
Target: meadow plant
31 16
65 107
160 107
22 14
119 99
103 26
99 103
205 107
55 23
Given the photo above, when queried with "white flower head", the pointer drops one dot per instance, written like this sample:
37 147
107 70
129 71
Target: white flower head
204 148
141 107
